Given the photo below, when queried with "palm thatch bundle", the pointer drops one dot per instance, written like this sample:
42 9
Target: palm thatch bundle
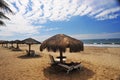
4 8
4 5
60 42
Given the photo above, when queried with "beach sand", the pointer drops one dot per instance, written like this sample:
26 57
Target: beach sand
98 64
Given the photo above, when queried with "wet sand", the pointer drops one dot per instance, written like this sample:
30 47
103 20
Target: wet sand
98 64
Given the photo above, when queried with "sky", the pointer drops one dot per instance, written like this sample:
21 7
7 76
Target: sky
81 19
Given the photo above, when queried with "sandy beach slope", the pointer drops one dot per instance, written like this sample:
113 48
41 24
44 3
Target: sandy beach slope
98 64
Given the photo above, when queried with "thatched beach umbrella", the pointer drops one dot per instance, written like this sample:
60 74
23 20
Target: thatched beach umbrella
30 41
6 43
60 42
11 42
18 42
1 42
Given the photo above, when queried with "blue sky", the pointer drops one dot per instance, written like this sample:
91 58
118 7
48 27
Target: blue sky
81 19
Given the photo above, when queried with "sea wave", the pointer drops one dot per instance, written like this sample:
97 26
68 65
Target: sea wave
104 45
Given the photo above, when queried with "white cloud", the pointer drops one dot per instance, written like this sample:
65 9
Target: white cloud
42 37
59 10
40 11
52 29
5 33
18 25
108 14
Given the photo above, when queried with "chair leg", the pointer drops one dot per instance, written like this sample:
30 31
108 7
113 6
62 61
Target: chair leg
79 68
68 71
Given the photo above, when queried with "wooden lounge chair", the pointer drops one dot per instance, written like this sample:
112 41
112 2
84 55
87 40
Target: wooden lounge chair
66 67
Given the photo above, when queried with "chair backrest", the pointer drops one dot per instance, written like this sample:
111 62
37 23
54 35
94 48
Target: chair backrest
52 59
78 65
27 51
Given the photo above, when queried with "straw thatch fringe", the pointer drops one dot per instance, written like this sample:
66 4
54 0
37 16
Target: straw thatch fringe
60 42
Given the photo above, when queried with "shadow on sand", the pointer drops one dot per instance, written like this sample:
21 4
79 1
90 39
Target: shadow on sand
29 57
16 49
56 74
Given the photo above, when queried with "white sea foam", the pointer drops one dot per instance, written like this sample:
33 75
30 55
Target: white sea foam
103 45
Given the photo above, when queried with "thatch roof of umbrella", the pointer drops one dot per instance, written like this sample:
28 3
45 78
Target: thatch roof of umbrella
11 42
18 41
61 42
5 42
31 41
1 41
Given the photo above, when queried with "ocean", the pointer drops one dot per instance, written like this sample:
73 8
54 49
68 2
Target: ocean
102 42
